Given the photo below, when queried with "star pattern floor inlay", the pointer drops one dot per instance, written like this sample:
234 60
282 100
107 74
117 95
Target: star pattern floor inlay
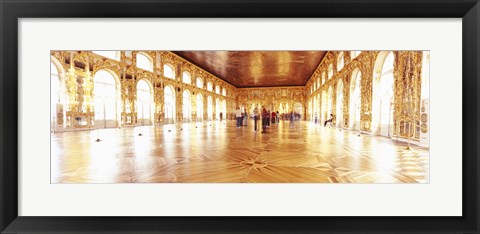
214 152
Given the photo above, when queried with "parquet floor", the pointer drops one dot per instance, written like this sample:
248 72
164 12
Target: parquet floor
217 152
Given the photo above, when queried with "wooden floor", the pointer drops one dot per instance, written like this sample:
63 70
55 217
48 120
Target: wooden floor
217 152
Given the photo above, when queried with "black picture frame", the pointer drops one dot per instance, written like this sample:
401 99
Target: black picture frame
11 11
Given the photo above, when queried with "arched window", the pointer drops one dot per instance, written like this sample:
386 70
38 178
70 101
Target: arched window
423 129
144 62
323 78
330 71
310 110
168 71
340 62
314 86
105 99
186 78
382 93
144 103
318 82
187 104
199 107
57 99
209 86
218 108
111 54
210 108
169 107
425 74
324 105
339 103
224 108
217 89
199 83
354 117
330 107
224 92
55 87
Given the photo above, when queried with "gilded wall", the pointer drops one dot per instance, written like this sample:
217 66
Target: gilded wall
407 69
77 70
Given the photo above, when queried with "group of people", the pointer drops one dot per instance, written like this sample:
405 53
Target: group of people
242 117
268 117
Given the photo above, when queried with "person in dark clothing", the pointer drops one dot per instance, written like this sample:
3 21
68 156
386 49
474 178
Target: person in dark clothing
264 120
256 115
329 120
268 118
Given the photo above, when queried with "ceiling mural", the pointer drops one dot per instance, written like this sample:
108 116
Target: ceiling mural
257 68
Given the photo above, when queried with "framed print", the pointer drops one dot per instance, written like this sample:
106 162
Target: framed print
224 116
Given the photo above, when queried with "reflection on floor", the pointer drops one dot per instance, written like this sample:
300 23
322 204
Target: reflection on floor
216 152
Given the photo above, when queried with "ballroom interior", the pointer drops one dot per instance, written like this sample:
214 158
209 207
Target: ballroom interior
171 116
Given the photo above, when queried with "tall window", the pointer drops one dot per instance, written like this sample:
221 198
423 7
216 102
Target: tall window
186 78
209 108
218 108
330 107
354 118
199 107
339 103
382 93
187 104
199 83
144 62
209 86
111 54
224 92
105 99
330 71
168 71
324 105
144 103
224 108
425 75
56 98
169 107
340 61
323 78
217 89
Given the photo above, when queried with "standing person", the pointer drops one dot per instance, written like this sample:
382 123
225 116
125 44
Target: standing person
292 116
268 118
328 120
273 117
255 118
245 118
278 117
238 115
221 116
264 120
